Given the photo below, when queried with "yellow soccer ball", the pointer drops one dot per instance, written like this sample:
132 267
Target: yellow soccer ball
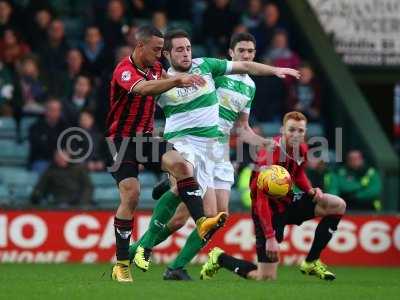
275 181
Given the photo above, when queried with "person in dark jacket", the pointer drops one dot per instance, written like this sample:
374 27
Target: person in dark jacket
43 136
80 99
67 184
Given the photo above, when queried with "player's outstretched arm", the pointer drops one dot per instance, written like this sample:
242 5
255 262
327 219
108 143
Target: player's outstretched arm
156 87
247 135
257 69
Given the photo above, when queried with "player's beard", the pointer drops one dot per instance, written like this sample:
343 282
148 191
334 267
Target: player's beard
180 68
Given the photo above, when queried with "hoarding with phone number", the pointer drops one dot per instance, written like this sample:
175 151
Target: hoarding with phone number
88 237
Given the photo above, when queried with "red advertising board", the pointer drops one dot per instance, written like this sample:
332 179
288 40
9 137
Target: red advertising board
74 236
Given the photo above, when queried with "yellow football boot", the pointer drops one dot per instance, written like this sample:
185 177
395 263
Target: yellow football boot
206 227
210 268
142 258
316 268
121 271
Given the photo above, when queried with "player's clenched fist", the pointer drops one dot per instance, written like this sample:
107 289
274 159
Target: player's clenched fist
283 72
316 193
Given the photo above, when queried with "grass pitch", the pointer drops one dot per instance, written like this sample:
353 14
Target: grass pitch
69 281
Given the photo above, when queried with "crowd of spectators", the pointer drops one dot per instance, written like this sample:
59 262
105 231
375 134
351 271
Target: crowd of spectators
57 57
52 49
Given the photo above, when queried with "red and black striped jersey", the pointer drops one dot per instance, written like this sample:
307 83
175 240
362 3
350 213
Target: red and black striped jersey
130 113
294 161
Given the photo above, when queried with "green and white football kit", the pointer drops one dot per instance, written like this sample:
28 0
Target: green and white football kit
235 95
192 118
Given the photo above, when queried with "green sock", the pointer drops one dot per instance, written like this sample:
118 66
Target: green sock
155 234
161 237
192 246
162 213
133 247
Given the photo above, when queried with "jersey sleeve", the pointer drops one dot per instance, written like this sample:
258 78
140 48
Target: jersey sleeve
261 208
250 93
127 78
218 67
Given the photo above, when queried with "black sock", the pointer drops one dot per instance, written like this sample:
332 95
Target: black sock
238 266
323 234
190 193
123 231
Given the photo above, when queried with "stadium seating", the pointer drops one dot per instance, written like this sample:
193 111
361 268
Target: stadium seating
102 179
107 197
145 199
13 153
147 179
4 195
16 184
14 175
26 123
8 128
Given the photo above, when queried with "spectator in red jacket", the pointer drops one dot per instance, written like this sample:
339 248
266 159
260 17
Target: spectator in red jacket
12 48
305 94
280 54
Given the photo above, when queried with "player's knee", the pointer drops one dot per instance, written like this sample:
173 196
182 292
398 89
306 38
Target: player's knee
182 169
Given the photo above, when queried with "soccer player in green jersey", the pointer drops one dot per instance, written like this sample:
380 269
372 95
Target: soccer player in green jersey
198 123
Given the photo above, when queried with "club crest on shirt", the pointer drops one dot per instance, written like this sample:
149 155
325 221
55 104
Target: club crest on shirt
126 76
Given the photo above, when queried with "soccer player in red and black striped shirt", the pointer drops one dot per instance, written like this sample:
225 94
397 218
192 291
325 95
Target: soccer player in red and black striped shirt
135 82
271 215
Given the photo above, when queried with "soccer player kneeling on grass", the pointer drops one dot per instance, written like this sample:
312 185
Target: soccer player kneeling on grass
271 215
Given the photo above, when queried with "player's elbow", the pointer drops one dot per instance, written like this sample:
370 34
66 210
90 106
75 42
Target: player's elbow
241 67
144 88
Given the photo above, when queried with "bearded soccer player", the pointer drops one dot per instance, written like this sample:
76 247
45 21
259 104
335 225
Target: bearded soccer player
271 215
193 125
136 79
